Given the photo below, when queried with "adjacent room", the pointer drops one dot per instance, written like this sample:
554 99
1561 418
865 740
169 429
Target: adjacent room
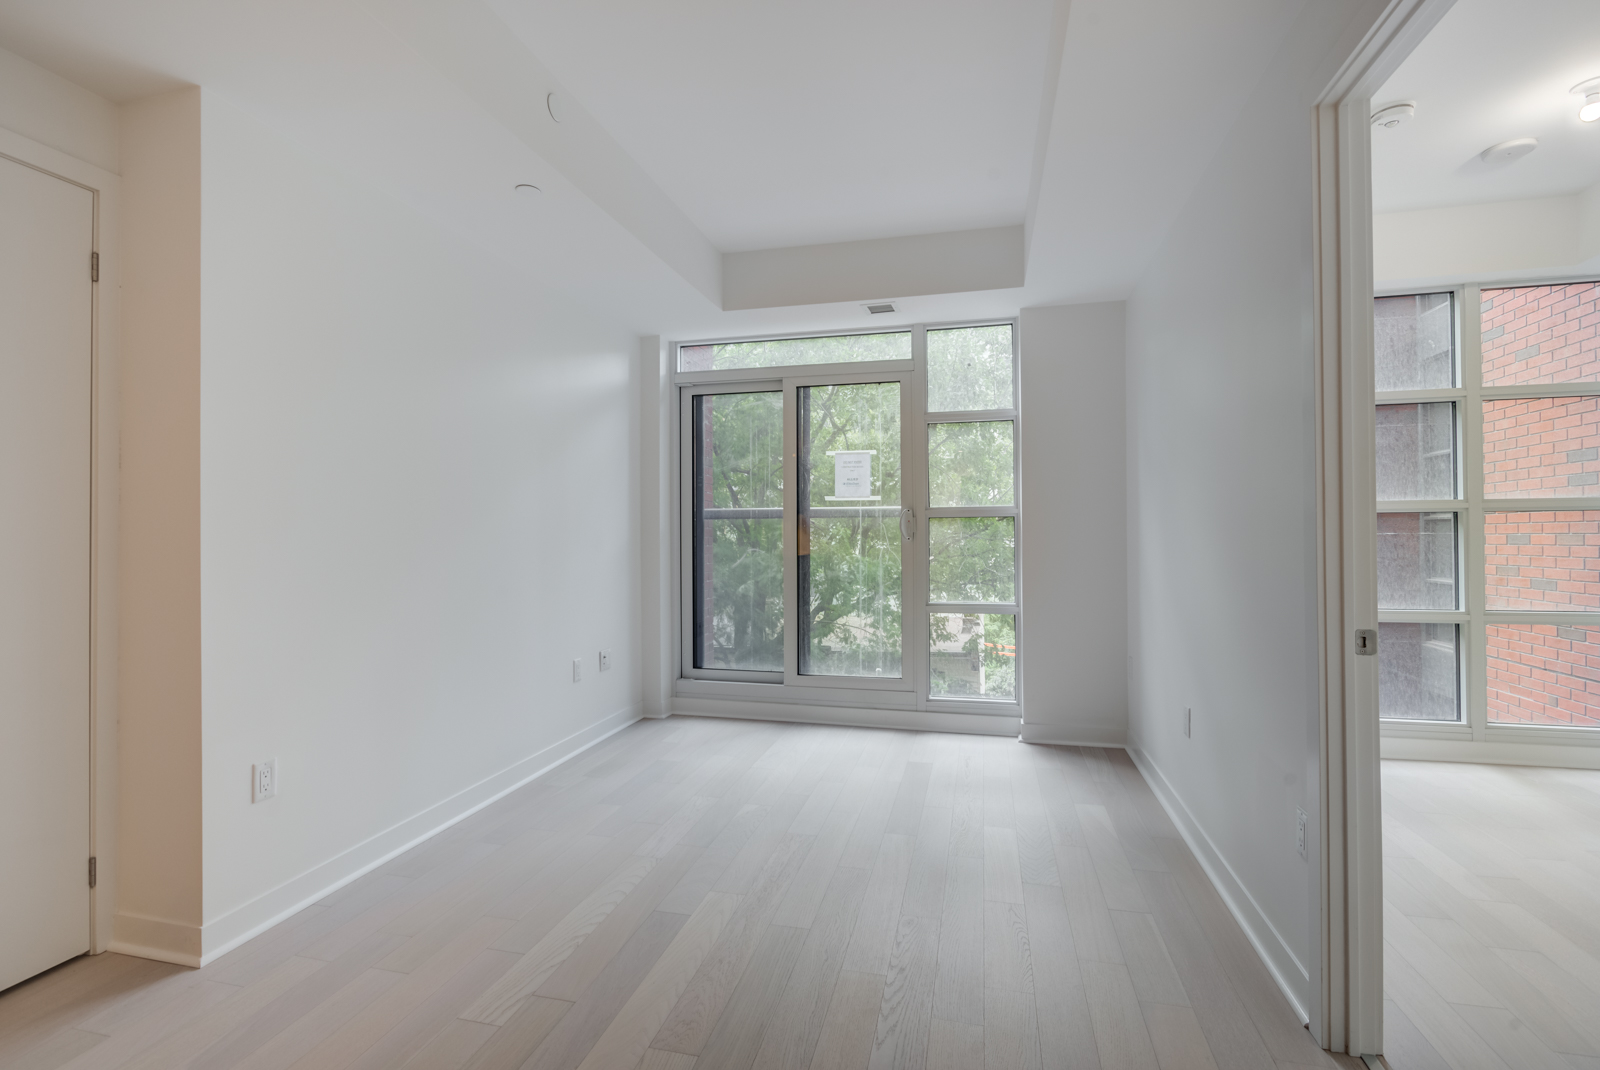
1486 198
597 535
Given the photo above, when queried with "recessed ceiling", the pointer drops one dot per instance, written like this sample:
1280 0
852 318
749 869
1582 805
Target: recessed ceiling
774 125
1490 72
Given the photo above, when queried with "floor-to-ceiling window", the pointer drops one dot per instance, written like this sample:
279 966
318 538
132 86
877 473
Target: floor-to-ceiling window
1488 448
849 517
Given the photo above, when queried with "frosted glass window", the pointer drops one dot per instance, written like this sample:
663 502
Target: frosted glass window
1417 562
1416 451
970 369
1419 672
1415 342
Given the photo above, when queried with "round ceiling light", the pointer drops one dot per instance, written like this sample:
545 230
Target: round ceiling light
557 106
526 188
1392 115
1506 151
1590 92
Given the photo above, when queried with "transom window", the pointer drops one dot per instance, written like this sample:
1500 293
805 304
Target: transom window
850 516
1488 478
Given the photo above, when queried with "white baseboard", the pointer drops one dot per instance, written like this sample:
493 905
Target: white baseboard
1281 962
1062 735
979 724
1490 752
170 942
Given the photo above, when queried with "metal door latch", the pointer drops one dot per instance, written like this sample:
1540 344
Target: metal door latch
1366 641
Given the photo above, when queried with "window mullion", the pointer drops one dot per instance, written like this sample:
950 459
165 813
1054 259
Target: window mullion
1469 301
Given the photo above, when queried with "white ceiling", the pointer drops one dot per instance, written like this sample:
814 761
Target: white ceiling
707 124
778 124
1489 72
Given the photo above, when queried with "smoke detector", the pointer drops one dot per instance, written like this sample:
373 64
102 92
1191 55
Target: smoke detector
1506 151
1392 115
880 308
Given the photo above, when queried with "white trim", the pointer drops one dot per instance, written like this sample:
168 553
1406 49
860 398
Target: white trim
1074 735
1347 992
1281 962
104 431
169 941
977 724
1551 755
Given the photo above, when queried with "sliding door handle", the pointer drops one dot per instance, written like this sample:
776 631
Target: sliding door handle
908 524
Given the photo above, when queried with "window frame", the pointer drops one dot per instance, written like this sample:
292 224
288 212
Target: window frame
1472 508
912 690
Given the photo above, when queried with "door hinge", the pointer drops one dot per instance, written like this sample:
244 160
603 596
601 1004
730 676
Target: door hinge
93 876
94 267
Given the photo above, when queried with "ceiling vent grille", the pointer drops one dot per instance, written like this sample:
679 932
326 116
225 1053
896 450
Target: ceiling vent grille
879 309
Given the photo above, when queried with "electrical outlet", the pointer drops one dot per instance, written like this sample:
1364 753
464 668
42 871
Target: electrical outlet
264 780
577 670
605 661
1188 723
1300 831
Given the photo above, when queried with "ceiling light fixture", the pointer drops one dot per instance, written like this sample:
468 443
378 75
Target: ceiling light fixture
1590 91
1392 115
556 104
526 188
1506 151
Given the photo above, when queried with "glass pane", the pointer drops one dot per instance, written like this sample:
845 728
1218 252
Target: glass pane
1417 561
1541 334
1541 448
972 655
1419 672
1416 451
972 559
738 531
1544 674
1542 561
970 464
849 530
1414 336
969 368
785 352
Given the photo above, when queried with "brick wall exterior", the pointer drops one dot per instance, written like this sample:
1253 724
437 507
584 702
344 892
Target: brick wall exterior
1544 674
1542 561
1541 448
1541 334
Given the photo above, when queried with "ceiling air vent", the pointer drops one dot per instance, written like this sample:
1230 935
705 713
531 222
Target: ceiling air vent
879 309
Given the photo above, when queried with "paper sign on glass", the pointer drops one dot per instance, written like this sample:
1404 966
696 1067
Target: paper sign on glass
852 475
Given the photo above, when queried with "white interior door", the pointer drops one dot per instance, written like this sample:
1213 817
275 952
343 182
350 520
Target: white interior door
46 236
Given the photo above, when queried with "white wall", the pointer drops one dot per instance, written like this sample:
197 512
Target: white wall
405 486
1074 534
44 106
1222 504
1486 242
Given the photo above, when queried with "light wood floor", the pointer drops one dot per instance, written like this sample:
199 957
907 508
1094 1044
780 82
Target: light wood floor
696 893
1491 917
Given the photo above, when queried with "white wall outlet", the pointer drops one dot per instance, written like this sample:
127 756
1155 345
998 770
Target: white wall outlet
1300 831
605 661
264 780
577 670
1188 723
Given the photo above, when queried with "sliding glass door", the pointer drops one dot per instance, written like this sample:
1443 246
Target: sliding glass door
853 526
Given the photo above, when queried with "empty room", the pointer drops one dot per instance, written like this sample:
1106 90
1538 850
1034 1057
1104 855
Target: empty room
631 537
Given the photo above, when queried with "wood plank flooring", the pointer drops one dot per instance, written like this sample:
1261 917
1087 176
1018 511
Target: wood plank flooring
1491 917
700 894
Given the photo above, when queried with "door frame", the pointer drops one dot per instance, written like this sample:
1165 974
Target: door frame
103 430
1348 1015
